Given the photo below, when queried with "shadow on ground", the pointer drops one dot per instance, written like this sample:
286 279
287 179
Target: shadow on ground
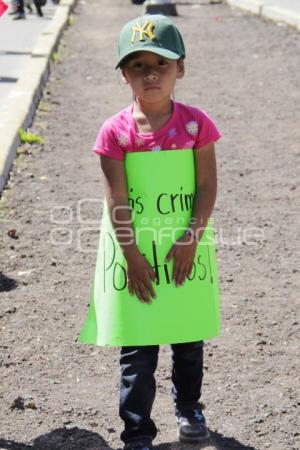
7 284
81 439
217 441
61 439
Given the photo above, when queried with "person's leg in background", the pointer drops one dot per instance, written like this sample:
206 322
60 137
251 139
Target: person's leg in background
38 4
137 393
20 14
187 375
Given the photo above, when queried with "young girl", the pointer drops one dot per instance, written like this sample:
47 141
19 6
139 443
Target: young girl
151 60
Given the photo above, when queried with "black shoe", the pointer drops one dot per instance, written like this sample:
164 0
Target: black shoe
138 445
191 426
29 9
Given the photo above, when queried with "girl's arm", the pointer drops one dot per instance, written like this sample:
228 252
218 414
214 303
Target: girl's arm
139 272
115 186
206 188
184 249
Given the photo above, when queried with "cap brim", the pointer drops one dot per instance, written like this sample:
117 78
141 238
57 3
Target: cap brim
158 51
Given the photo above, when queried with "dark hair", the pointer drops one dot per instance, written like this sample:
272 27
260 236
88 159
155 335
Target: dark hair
127 59
131 56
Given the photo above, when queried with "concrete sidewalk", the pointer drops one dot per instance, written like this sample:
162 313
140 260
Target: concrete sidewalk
26 47
17 42
286 11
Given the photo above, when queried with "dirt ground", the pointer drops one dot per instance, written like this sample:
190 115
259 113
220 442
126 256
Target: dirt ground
58 394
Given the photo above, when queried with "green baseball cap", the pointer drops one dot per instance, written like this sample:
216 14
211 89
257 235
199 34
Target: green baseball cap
152 33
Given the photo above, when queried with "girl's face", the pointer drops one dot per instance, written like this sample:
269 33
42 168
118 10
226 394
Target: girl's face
152 77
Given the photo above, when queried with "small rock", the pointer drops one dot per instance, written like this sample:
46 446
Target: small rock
31 405
18 403
93 424
25 272
13 234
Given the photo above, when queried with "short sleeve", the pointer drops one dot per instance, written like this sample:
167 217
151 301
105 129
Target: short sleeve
208 132
106 143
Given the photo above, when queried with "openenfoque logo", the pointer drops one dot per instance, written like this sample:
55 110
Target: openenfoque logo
78 224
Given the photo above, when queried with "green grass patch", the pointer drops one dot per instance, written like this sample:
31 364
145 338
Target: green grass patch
30 138
56 57
72 20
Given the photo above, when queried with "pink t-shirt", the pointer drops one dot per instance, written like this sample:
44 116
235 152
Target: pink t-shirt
187 128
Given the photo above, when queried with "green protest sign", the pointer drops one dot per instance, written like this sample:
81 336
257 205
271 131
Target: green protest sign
161 189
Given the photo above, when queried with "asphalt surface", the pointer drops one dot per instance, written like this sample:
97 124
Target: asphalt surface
17 41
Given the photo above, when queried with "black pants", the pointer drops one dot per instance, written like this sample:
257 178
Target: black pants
20 6
138 365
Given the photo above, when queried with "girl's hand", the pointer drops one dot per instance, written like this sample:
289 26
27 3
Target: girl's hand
139 276
183 252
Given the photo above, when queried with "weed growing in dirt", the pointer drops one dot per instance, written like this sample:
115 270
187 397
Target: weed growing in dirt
72 20
57 56
30 138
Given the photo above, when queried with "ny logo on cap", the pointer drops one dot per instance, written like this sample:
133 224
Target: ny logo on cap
145 30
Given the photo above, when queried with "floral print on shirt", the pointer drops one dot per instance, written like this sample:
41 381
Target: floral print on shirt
192 127
122 140
139 141
172 132
189 144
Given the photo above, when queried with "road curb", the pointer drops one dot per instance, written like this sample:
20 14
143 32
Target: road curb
268 10
21 105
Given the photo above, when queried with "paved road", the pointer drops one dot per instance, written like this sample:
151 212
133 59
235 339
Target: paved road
292 5
286 11
17 40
